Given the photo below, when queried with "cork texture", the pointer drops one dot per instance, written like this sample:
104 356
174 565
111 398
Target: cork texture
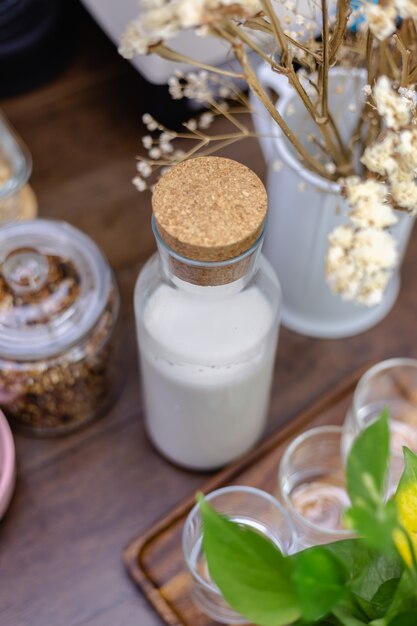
210 208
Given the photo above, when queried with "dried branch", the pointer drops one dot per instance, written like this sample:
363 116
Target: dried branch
405 56
324 69
259 91
336 40
172 55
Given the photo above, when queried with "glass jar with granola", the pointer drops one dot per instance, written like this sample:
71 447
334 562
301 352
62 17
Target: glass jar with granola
59 305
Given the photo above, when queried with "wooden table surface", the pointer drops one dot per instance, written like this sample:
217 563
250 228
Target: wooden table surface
79 499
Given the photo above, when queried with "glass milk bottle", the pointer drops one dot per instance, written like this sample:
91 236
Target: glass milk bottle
207 311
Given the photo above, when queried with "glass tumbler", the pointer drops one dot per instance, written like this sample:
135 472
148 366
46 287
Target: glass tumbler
391 384
247 506
17 199
311 481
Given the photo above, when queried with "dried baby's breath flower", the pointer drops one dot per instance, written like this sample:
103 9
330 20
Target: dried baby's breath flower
374 250
368 202
147 142
407 8
407 146
191 124
395 109
381 20
139 183
277 165
150 123
380 156
174 88
372 288
358 191
144 168
375 214
225 92
166 147
410 94
359 262
205 120
161 21
404 194
330 167
155 153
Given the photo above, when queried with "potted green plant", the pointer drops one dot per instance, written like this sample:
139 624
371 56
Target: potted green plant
368 580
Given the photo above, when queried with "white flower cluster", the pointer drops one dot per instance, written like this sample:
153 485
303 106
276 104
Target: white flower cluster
203 87
394 155
395 108
363 253
382 18
161 20
161 152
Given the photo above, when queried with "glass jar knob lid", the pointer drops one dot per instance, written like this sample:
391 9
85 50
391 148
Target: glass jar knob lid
54 285
25 271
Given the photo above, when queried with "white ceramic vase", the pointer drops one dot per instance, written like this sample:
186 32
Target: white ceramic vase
304 208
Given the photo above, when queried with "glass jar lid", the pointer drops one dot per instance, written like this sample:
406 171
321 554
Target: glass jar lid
54 285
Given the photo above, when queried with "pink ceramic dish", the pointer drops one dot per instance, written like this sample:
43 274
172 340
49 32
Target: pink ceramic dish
7 465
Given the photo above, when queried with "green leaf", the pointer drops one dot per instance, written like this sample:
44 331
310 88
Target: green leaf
366 473
368 572
367 464
409 618
379 570
376 526
346 619
405 597
251 573
319 578
382 599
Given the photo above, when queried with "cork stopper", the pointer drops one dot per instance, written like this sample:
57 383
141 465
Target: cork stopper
210 209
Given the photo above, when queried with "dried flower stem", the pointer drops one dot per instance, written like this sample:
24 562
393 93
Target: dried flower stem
257 88
238 32
278 32
336 40
371 113
324 68
405 56
229 116
172 55
326 124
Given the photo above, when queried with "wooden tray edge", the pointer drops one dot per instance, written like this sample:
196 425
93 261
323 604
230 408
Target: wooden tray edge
133 551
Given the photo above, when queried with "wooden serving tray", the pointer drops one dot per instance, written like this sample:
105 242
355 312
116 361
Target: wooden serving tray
155 560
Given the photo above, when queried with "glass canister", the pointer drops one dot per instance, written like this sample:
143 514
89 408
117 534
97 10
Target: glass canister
207 310
59 304
17 200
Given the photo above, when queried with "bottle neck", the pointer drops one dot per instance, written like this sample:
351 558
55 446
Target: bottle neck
227 276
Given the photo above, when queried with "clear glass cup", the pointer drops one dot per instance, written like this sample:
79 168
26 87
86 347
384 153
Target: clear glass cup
391 384
312 487
245 505
17 200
